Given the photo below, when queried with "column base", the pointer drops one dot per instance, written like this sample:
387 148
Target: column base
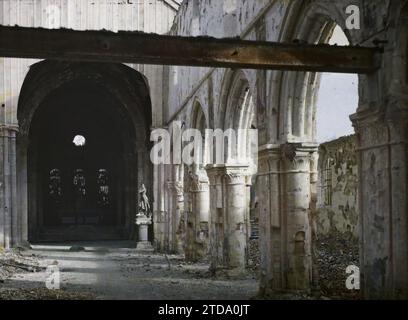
144 246
25 245
234 274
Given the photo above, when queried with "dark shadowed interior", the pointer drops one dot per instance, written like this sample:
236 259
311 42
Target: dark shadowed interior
77 148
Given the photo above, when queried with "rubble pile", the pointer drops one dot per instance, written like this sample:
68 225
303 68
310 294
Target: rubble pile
334 253
254 256
12 261
42 294
17 262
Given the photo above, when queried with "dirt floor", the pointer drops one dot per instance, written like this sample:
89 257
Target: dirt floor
112 271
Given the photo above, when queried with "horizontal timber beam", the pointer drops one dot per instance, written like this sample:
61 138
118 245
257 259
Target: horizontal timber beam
144 48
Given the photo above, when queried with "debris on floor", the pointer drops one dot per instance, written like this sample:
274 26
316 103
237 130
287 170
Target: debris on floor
254 256
335 253
43 294
12 261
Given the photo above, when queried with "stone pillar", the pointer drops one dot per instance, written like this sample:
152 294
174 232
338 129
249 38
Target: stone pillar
297 199
175 208
22 174
270 218
235 227
159 215
169 217
10 226
383 188
228 224
188 218
199 219
284 194
179 212
314 160
216 222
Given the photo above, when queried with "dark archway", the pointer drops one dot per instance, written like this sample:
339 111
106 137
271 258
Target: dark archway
82 149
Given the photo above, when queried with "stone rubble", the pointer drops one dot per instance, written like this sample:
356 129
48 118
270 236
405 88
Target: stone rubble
335 253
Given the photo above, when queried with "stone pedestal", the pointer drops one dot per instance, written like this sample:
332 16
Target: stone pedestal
143 223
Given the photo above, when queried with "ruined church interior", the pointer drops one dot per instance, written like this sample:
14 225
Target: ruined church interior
102 102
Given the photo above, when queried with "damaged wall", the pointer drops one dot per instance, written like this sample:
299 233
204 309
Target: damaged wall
337 203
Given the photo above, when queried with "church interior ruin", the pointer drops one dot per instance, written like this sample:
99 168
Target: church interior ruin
307 201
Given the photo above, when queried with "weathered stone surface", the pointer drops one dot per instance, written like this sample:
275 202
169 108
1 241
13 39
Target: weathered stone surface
337 198
279 104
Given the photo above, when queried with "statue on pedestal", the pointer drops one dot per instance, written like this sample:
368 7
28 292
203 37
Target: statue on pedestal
143 220
144 205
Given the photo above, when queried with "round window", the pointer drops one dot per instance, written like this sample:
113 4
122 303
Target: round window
79 141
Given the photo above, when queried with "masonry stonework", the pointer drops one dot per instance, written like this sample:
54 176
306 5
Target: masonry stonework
203 212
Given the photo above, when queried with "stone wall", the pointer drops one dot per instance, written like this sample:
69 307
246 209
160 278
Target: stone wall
337 204
285 109
149 16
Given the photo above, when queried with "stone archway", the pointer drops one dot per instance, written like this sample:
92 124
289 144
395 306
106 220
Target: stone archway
81 190
197 194
288 162
230 182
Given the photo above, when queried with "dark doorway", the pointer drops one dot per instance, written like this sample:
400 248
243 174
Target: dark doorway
78 143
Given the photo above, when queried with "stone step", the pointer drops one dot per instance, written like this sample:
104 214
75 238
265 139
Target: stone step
81 233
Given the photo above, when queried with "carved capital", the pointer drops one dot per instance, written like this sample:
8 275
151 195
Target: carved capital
236 174
198 181
178 188
214 174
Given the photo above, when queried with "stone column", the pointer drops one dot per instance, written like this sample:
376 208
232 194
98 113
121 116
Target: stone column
284 193
297 198
169 218
10 226
268 190
179 212
159 214
22 183
228 213
188 218
314 160
216 219
235 228
175 209
200 203
383 188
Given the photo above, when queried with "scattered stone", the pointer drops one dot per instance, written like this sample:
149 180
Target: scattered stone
334 253
254 256
43 294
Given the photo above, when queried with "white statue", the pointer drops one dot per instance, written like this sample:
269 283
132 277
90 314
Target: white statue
144 205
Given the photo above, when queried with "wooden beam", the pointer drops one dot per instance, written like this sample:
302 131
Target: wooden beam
143 48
